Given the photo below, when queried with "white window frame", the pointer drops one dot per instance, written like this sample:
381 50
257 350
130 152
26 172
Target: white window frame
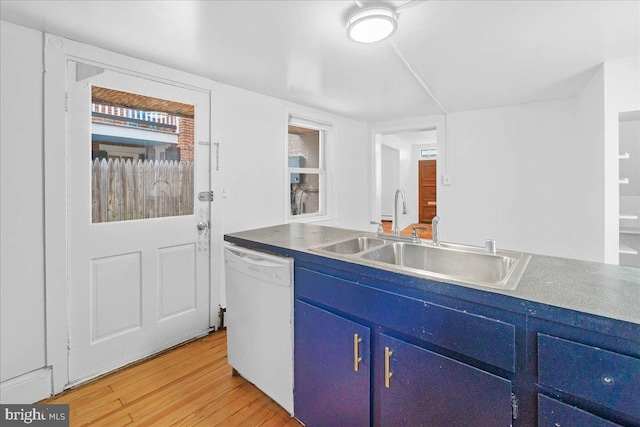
324 124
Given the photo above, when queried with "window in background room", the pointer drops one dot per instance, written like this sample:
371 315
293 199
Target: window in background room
430 153
307 172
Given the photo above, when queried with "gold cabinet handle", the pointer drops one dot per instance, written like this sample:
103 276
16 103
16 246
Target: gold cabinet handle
387 366
356 352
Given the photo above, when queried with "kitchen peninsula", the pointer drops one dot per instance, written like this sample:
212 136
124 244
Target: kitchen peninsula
376 343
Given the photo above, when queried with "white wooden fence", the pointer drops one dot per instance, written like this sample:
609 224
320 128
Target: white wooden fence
123 190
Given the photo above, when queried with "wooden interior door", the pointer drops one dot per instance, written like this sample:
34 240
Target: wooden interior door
427 187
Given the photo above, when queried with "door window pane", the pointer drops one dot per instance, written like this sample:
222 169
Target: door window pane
142 152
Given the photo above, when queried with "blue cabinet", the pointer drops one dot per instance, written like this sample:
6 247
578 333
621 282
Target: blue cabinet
331 369
418 387
402 349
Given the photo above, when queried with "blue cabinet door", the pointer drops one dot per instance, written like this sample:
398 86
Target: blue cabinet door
328 390
428 389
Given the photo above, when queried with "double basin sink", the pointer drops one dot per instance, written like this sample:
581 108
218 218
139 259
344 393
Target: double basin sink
445 262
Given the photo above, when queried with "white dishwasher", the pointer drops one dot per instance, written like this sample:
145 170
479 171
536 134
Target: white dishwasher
259 319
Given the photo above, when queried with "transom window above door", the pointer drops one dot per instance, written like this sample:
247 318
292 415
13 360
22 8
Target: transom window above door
142 152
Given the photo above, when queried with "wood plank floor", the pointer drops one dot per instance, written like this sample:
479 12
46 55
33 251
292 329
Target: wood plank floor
423 234
190 385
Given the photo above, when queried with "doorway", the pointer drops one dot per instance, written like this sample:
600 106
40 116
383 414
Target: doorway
629 178
137 232
397 166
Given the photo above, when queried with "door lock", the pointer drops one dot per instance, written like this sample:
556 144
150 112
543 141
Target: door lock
205 196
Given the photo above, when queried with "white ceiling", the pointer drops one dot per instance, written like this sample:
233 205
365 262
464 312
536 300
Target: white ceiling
471 54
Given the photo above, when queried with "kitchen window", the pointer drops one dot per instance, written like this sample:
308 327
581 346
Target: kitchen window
307 147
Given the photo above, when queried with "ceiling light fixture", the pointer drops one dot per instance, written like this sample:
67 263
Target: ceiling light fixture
371 24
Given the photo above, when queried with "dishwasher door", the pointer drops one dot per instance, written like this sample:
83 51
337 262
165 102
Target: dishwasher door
259 320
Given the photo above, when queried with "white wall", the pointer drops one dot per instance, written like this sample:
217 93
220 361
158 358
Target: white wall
521 175
538 177
349 174
251 129
22 340
390 176
407 179
590 131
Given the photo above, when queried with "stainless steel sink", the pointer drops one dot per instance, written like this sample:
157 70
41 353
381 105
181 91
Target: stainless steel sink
353 245
446 262
454 262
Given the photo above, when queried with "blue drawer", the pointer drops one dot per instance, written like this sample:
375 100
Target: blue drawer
487 340
552 413
600 376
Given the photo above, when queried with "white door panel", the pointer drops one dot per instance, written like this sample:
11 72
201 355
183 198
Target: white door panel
135 286
115 275
177 291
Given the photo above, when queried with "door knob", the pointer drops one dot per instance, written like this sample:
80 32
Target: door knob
202 225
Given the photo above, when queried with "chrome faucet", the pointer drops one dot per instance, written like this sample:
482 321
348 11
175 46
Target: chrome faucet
435 231
379 224
395 226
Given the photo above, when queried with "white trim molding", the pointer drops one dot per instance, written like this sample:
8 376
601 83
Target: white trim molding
327 123
57 52
28 388
55 209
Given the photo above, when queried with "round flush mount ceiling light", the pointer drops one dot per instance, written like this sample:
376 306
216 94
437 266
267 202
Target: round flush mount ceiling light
371 24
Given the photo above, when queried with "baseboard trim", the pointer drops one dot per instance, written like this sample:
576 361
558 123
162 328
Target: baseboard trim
28 388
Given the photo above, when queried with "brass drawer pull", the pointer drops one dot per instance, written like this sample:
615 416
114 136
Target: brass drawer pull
387 366
356 352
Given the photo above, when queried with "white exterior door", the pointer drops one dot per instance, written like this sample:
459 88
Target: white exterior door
138 237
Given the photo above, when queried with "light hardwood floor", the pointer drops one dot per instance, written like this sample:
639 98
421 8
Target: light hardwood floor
190 385
423 234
